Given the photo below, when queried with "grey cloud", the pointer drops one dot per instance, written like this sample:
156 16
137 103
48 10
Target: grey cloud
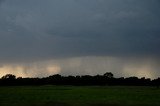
55 29
1 1
64 29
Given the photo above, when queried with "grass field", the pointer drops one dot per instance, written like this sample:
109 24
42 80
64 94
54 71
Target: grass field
79 96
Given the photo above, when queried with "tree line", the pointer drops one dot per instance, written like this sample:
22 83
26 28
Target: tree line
84 80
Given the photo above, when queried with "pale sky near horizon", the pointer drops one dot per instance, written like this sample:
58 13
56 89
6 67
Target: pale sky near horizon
39 38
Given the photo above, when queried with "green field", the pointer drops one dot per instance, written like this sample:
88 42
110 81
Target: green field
78 96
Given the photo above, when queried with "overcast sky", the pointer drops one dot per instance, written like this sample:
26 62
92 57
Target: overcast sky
70 37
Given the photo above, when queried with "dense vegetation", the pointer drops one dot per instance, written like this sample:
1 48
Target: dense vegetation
87 80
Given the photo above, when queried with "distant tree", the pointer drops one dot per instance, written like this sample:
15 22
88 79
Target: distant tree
9 76
108 75
156 82
56 76
19 78
106 79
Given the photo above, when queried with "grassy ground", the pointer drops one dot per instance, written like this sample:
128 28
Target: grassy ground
78 96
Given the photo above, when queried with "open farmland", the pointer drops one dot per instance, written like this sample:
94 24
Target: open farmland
79 95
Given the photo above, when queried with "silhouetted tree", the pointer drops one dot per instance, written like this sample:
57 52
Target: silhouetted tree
108 75
85 80
9 76
8 79
156 82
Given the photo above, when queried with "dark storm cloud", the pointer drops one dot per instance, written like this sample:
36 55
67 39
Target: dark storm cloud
40 38
1 2
35 30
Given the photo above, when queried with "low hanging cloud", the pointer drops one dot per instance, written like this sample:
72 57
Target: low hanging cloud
33 32
120 67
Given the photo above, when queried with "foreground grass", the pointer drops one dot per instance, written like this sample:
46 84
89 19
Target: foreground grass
77 96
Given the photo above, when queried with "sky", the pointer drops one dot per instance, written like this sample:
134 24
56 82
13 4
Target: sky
39 38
